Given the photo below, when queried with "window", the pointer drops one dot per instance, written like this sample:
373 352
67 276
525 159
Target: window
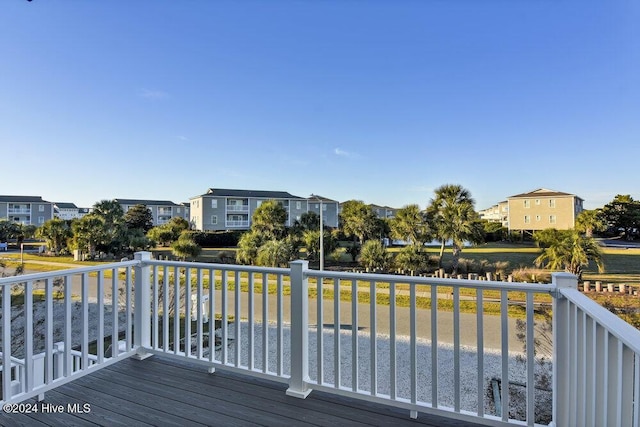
527 203
552 219
298 205
537 202
178 210
552 203
324 207
537 217
214 219
214 203
41 208
40 220
527 219
258 203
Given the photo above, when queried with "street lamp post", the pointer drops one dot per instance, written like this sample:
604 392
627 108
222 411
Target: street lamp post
321 233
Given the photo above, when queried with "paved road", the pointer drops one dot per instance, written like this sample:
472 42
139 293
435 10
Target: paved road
468 324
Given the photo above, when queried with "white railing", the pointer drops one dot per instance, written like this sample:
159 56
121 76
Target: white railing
19 211
237 223
237 208
422 344
46 316
18 367
597 373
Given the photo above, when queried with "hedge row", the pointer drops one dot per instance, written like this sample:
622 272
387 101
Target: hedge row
216 239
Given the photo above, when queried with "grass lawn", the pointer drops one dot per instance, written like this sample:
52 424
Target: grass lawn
621 265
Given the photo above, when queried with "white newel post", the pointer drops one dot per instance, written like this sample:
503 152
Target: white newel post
142 309
299 331
562 365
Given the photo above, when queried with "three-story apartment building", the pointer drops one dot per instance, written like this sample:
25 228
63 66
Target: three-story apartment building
384 212
330 209
161 210
68 211
543 208
27 210
497 213
231 209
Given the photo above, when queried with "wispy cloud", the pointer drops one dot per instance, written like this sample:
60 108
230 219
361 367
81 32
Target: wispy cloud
153 94
182 137
343 153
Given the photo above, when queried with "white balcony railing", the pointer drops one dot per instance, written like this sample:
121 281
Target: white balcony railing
237 208
19 211
390 342
67 319
237 223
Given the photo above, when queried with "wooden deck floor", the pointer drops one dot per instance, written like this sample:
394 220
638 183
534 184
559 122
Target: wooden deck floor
161 392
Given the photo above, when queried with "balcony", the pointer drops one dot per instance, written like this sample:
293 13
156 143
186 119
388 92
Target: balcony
284 356
238 208
237 224
163 219
19 211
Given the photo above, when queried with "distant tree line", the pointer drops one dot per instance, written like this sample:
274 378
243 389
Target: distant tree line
449 218
106 230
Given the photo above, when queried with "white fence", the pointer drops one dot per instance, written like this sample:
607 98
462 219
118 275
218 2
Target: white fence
383 338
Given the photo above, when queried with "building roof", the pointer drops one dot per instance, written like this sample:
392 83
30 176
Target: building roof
22 199
254 194
543 192
317 197
65 205
146 202
382 207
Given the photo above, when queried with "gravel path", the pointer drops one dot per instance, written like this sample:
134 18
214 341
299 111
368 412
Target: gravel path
445 362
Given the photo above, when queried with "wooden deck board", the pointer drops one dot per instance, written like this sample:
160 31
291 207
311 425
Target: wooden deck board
160 391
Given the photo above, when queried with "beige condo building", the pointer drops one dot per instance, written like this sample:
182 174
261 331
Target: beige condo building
541 209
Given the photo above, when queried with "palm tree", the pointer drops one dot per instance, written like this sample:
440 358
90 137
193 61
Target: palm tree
358 220
412 258
275 253
374 255
310 240
88 232
410 224
570 251
269 219
589 221
55 232
248 246
185 247
112 215
453 217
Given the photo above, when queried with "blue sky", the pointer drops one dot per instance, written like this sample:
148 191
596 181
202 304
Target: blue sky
381 101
